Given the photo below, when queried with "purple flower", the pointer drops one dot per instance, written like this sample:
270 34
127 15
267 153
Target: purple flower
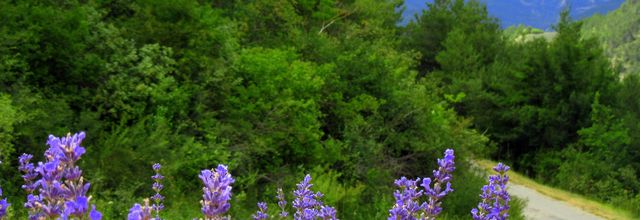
135 213
144 212
66 149
407 199
442 179
29 176
157 187
61 187
53 198
305 198
327 212
29 172
307 214
282 203
157 197
76 208
408 206
32 201
308 204
217 192
95 214
3 206
50 171
138 212
73 173
156 167
495 198
261 214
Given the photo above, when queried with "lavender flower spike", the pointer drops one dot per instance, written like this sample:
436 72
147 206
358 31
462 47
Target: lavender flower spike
3 206
306 200
29 172
282 203
62 189
495 198
261 214
145 211
140 212
29 176
408 207
95 214
307 203
441 185
157 187
217 192
327 212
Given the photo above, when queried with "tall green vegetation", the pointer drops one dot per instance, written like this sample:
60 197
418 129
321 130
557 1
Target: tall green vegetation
454 23
275 89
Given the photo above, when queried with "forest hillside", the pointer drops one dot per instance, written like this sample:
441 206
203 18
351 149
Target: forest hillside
259 95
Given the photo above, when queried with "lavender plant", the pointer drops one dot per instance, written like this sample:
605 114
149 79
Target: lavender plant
282 203
327 212
140 212
442 178
307 203
61 187
495 198
407 200
157 187
217 192
61 191
29 176
3 205
146 210
408 206
305 200
261 214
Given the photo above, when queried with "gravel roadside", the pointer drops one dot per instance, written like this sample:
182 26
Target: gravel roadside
542 207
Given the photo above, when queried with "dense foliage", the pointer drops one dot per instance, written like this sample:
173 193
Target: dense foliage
274 89
279 89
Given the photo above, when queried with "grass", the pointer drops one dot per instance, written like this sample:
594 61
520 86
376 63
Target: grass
603 210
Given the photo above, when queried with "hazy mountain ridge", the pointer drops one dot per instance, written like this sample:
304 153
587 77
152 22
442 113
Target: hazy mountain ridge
619 32
540 14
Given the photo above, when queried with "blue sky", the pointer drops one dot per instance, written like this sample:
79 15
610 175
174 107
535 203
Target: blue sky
536 13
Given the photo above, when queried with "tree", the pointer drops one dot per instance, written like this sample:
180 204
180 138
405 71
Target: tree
429 32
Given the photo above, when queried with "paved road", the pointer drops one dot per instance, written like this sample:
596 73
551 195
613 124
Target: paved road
542 207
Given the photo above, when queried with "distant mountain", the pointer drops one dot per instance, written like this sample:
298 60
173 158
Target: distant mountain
540 14
619 32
